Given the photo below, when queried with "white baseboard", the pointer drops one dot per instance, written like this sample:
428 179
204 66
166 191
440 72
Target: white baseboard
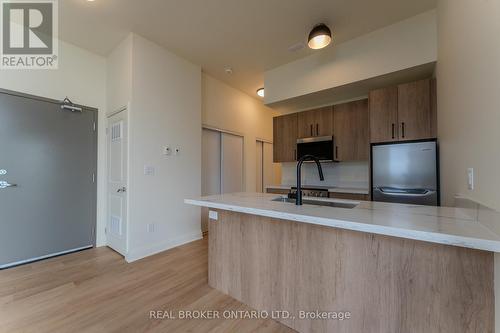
146 251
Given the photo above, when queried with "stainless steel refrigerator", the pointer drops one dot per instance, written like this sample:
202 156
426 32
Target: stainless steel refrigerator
406 173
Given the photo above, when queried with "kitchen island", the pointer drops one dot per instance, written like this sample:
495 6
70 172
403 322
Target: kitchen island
392 268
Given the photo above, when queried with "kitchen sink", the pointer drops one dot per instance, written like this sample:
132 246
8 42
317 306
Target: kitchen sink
335 204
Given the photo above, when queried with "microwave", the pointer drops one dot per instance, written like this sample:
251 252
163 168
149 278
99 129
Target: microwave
323 147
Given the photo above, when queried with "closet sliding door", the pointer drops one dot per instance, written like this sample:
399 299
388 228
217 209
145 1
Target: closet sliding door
222 166
232 163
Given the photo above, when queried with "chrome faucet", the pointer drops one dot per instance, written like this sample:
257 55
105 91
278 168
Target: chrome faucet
304 158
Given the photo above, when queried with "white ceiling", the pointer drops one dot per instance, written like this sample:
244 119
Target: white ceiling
251 36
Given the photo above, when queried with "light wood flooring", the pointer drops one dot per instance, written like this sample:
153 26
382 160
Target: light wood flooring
97 291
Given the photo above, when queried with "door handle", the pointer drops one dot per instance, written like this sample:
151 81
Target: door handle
393 131
312 130
403 129
122 190
317 129
4 184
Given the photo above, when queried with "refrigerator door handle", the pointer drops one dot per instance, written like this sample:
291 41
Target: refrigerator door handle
405 192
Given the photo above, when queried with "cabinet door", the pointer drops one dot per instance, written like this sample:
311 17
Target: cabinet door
285 138
351 131
414 110
323 125
384 115
318 122
306 121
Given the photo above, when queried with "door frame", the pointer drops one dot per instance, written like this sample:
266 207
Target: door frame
95 153
110 114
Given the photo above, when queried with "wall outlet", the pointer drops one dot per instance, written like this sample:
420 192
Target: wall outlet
470 178
213 215
167 151
151 227
149 170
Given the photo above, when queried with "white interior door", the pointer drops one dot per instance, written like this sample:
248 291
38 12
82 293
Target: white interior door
232 163
116 227
211 169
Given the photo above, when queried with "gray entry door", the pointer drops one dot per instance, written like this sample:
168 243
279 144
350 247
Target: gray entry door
48 155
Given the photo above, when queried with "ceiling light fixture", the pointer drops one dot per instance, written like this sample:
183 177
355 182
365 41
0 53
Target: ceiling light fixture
261 92
320 37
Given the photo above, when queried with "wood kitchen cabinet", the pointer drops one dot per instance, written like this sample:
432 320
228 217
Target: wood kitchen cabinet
318 122
384 115
285 138
414 110
402 113
351 128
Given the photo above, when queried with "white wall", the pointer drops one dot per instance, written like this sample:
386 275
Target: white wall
406 44
82 77
165 110
345 174
119 75
468 78
229 109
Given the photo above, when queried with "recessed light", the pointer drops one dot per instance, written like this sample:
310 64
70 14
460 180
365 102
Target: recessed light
320 37
261 92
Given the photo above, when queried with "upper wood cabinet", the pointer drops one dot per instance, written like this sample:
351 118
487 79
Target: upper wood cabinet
285 138
351 128
384 115
318 122
414 110
405 112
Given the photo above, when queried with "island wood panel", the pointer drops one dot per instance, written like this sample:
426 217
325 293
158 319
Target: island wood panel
384 115
389 284
285 138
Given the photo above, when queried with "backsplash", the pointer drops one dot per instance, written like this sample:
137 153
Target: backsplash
345 174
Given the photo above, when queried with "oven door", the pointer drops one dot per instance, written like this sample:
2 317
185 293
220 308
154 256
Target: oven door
321 147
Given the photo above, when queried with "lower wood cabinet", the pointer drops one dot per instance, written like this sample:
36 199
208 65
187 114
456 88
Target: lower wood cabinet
277 191
351 131
350 196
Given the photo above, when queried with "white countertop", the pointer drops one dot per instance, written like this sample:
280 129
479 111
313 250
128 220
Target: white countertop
443 225
333 189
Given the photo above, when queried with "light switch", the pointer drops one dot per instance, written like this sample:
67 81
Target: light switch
149 170
470 178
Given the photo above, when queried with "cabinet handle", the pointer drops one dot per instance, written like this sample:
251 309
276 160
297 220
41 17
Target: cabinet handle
403 129
336 152
295 154
393 131
312 130
317 129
